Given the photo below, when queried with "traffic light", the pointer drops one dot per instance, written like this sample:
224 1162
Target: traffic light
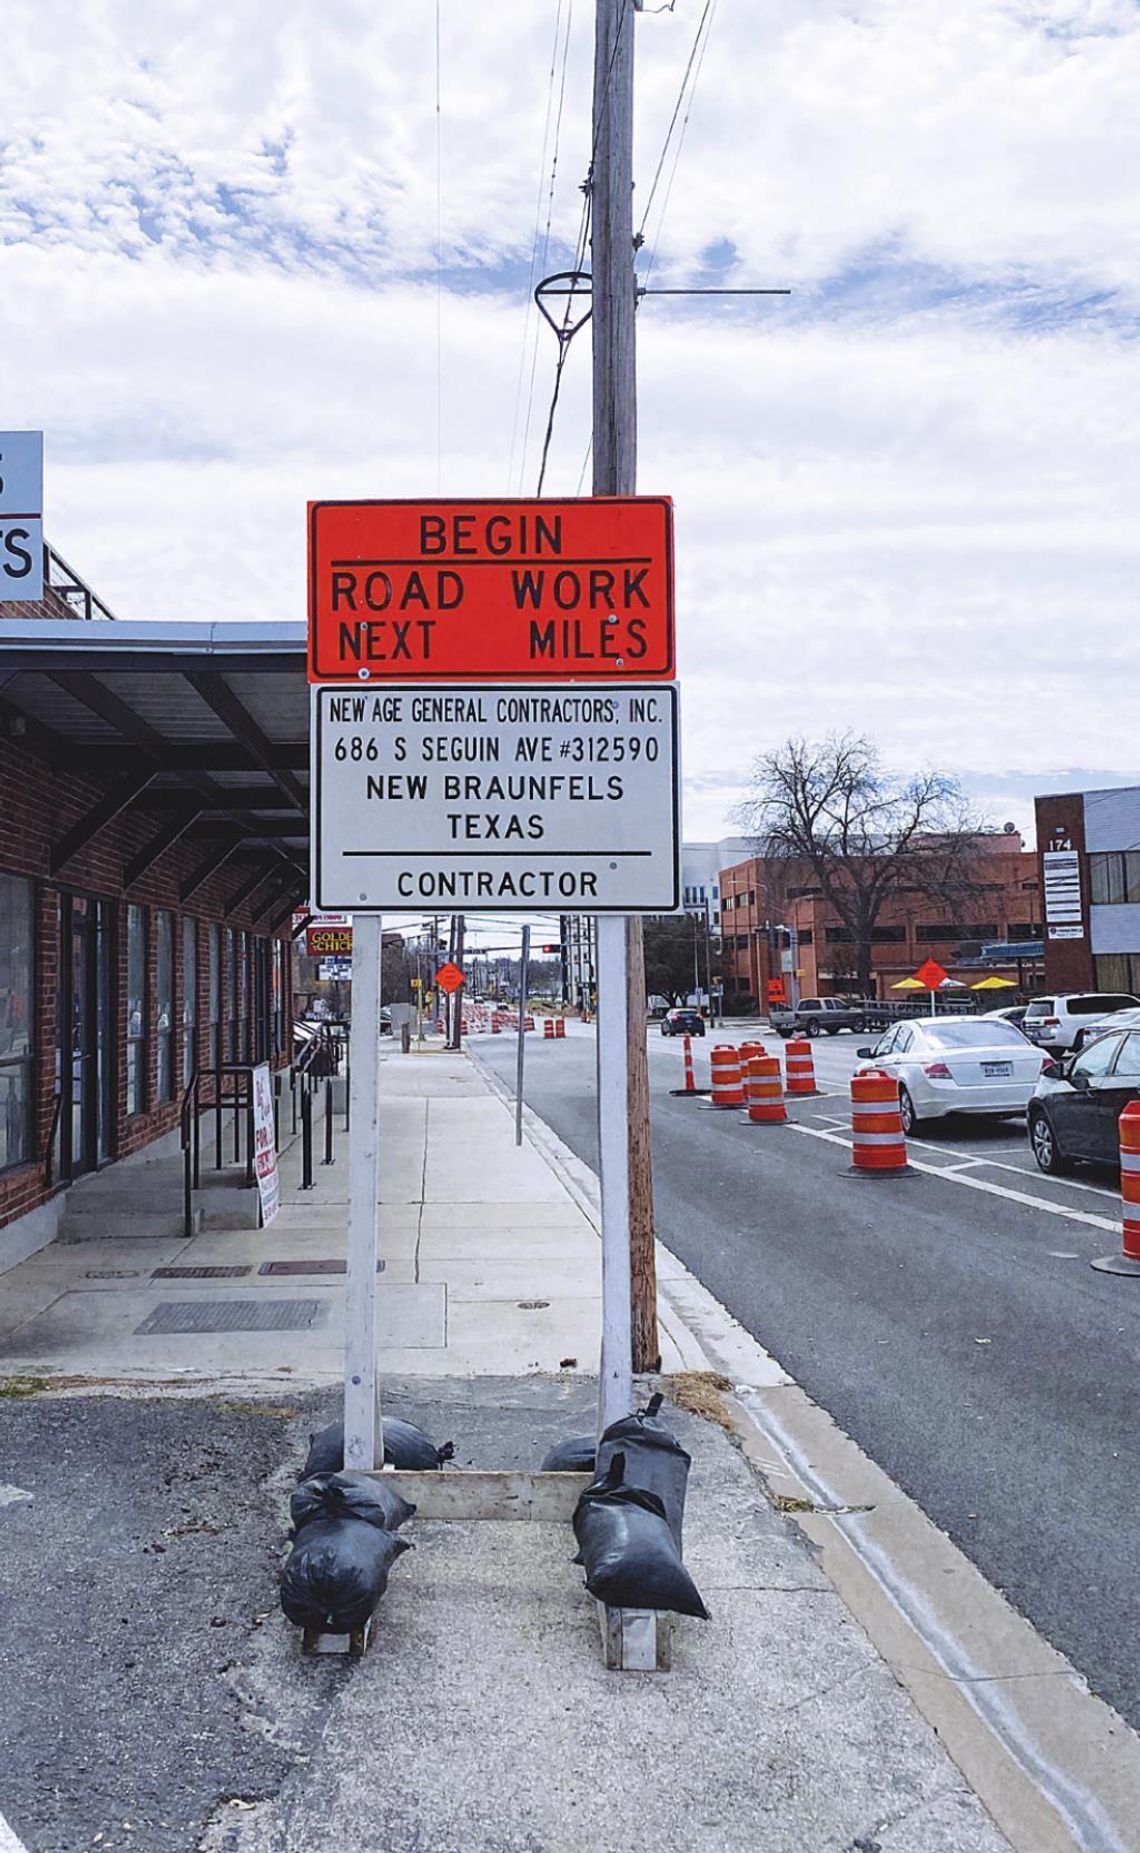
554 949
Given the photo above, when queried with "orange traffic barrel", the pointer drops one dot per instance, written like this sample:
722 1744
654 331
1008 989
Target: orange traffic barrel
878 1141
765 1091
1128 1260
690 1078
800 1065
559 1026
748 1052
727 1081
548 1029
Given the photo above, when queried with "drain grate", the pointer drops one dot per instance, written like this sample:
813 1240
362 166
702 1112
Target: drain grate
218 1273
323 1266
327 1266
232 1316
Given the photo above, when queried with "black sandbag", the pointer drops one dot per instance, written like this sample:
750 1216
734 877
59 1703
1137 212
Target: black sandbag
337 1572
577 1454
404 1446
349 1495
655 1461
629 1553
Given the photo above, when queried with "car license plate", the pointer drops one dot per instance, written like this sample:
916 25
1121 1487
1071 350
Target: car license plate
997 1071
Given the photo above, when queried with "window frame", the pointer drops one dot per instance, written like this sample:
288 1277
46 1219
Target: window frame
24 1065
137 1042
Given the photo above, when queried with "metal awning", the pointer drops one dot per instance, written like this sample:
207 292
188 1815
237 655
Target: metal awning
202 727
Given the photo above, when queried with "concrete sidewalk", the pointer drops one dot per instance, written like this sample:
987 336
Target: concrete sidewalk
482 1717
488 1264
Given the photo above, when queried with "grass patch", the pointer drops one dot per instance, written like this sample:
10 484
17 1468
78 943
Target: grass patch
701 1392
785 1502
24 1386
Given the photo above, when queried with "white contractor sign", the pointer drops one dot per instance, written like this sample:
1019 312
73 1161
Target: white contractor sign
496 799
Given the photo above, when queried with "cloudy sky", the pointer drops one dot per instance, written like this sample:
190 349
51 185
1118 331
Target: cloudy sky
906 494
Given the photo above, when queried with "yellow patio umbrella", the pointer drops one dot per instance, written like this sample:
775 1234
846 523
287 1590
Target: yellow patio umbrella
908 984
995 984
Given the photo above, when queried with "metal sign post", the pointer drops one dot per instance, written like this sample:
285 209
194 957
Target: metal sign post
363 1437
615 1388
523 963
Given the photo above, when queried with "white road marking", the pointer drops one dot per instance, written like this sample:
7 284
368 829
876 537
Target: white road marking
983 1184
1097 1190
13 1495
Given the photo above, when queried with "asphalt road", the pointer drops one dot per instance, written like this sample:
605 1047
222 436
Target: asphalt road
954 1330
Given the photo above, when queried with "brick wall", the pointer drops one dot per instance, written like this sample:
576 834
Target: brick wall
38 804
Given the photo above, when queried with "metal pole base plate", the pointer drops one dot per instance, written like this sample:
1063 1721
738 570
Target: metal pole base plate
354 1644
636 1640
1117 1264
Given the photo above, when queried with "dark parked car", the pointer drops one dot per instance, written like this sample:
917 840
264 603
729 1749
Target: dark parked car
682 1023
1076 1104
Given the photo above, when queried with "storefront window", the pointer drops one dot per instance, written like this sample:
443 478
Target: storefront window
214 942
136 1010
189 999
276 994
164 1003
17 964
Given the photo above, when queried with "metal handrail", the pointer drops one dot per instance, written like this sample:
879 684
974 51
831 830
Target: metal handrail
189 1122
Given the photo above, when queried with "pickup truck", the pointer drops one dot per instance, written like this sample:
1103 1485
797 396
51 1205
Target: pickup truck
813 1016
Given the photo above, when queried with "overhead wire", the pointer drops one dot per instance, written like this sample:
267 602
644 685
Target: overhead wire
534 240
438 262
546 232
692 71
582 245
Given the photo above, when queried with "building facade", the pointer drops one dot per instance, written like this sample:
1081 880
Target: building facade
153 844
769 906
1089 852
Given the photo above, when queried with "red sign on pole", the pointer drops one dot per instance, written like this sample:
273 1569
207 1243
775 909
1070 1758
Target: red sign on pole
449 978
931 975
545 590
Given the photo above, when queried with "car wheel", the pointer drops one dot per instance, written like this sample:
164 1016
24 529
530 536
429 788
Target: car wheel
812 1028
907 1113
1045 1149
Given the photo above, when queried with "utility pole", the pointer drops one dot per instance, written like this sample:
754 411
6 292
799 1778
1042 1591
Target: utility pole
459 930
614 301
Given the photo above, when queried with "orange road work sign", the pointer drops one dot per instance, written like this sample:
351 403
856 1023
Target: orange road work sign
541 590
449 978
931 975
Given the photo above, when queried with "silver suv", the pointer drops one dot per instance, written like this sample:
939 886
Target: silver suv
1055 1023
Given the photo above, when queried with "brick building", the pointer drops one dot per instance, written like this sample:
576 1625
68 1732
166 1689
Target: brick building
758 897
153 844
1089 848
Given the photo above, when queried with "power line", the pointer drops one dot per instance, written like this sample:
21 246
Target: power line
697 54
549 221
673 120
438 265
534 241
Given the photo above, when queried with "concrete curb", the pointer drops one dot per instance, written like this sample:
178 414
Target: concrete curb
1057 1768
8 1840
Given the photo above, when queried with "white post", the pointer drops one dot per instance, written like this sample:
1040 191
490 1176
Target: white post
363 1444
524 961
615 1386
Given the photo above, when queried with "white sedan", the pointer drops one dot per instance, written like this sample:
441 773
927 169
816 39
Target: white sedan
957 1065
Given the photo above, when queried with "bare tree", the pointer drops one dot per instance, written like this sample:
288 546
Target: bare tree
861 834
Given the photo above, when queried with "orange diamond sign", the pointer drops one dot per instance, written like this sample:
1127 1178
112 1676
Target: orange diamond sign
449 977
931 975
